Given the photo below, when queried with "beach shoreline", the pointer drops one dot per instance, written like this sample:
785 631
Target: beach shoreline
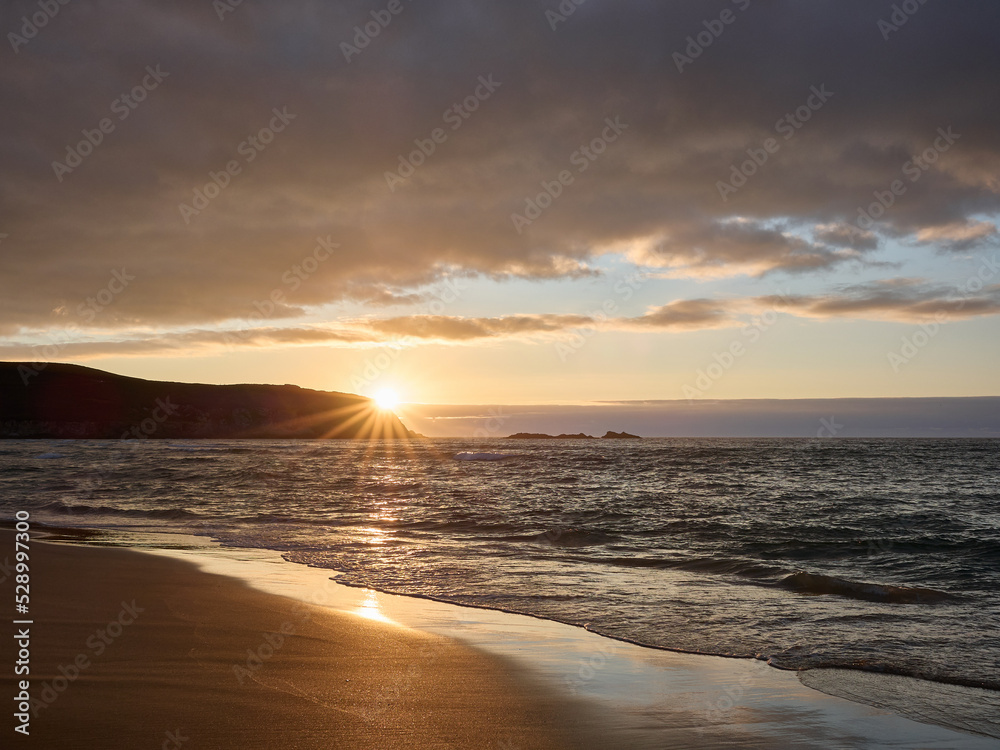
132 650
566 687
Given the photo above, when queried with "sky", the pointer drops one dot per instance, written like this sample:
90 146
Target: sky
507 203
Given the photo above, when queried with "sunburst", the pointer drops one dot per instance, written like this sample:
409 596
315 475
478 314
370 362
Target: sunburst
387 399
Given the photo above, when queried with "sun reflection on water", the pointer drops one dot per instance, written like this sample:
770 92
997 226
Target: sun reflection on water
370 608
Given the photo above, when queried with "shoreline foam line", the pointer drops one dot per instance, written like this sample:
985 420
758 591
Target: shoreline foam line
656 695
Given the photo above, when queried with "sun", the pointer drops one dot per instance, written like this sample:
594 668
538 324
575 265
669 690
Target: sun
387 399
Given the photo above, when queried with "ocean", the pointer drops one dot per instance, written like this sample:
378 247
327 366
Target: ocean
875 555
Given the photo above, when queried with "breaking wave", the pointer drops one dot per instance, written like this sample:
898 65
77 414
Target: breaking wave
102 510
812 583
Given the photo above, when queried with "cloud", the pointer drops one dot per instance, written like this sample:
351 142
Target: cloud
685 315
324 174
380 295
739 246
64 345
846 235
901 300
958 235
453 328
895 300
679 315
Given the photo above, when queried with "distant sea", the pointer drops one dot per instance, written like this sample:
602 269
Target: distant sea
875 555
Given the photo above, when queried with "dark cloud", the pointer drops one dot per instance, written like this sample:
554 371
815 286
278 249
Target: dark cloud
654 186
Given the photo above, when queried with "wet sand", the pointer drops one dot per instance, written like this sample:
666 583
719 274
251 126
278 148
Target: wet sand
130 650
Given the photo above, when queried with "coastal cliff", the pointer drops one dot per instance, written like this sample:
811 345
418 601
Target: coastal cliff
48 400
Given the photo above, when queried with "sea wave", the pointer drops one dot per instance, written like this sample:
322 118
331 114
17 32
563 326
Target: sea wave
217 448
722 566
571 537
817 584
467 456
103 510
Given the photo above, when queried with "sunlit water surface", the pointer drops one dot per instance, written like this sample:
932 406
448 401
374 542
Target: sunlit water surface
880 555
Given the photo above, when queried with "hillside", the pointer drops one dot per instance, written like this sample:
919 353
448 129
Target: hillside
70 401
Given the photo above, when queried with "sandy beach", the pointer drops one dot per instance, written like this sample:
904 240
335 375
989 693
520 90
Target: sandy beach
186 644
130 650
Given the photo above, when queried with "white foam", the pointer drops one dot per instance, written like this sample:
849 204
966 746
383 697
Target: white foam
467 456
